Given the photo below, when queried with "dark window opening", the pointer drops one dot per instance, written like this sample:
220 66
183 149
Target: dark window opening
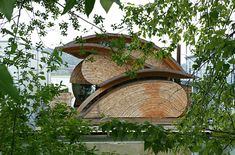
81 92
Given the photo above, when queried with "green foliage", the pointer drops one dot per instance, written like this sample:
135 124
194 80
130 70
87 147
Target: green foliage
206 26
69 5
89 5
61 130
6 8
106 4
155 138
28 124
6 84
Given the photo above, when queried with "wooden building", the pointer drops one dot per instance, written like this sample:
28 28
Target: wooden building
103 90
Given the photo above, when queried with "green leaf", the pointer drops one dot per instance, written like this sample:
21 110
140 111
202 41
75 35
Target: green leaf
6 83
89 5
117 1
42 77
106 4
13 47
57 55
6 31
6 8
232 61
68 6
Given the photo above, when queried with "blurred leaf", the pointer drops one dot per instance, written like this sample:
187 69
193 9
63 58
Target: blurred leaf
57 55
117 1
68 6
89 5
232 61
13 47
6 83
7 31
42 77
106 4
6 8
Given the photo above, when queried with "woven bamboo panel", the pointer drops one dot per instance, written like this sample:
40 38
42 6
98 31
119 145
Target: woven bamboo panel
76 76
148 99
159 64
99 68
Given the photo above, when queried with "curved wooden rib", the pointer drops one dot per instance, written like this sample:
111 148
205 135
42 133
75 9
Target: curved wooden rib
146 73
90 48
92 43
82 109
81 51
77 77
97 38
149 99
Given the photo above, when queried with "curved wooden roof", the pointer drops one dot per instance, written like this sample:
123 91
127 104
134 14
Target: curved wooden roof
92 45
97 38
83 50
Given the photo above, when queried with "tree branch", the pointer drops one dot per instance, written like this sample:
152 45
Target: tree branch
74 14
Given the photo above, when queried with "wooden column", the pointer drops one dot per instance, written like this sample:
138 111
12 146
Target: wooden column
179 54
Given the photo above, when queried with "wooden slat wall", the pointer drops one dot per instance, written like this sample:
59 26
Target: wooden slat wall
154 63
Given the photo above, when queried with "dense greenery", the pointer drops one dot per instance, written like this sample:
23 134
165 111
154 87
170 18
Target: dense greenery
205 25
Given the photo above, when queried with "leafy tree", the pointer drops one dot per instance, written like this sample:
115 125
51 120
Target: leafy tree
28 125
206 26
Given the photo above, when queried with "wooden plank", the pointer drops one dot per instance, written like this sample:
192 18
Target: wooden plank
151 61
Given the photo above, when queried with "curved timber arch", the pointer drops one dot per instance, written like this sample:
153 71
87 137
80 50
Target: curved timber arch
91 44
